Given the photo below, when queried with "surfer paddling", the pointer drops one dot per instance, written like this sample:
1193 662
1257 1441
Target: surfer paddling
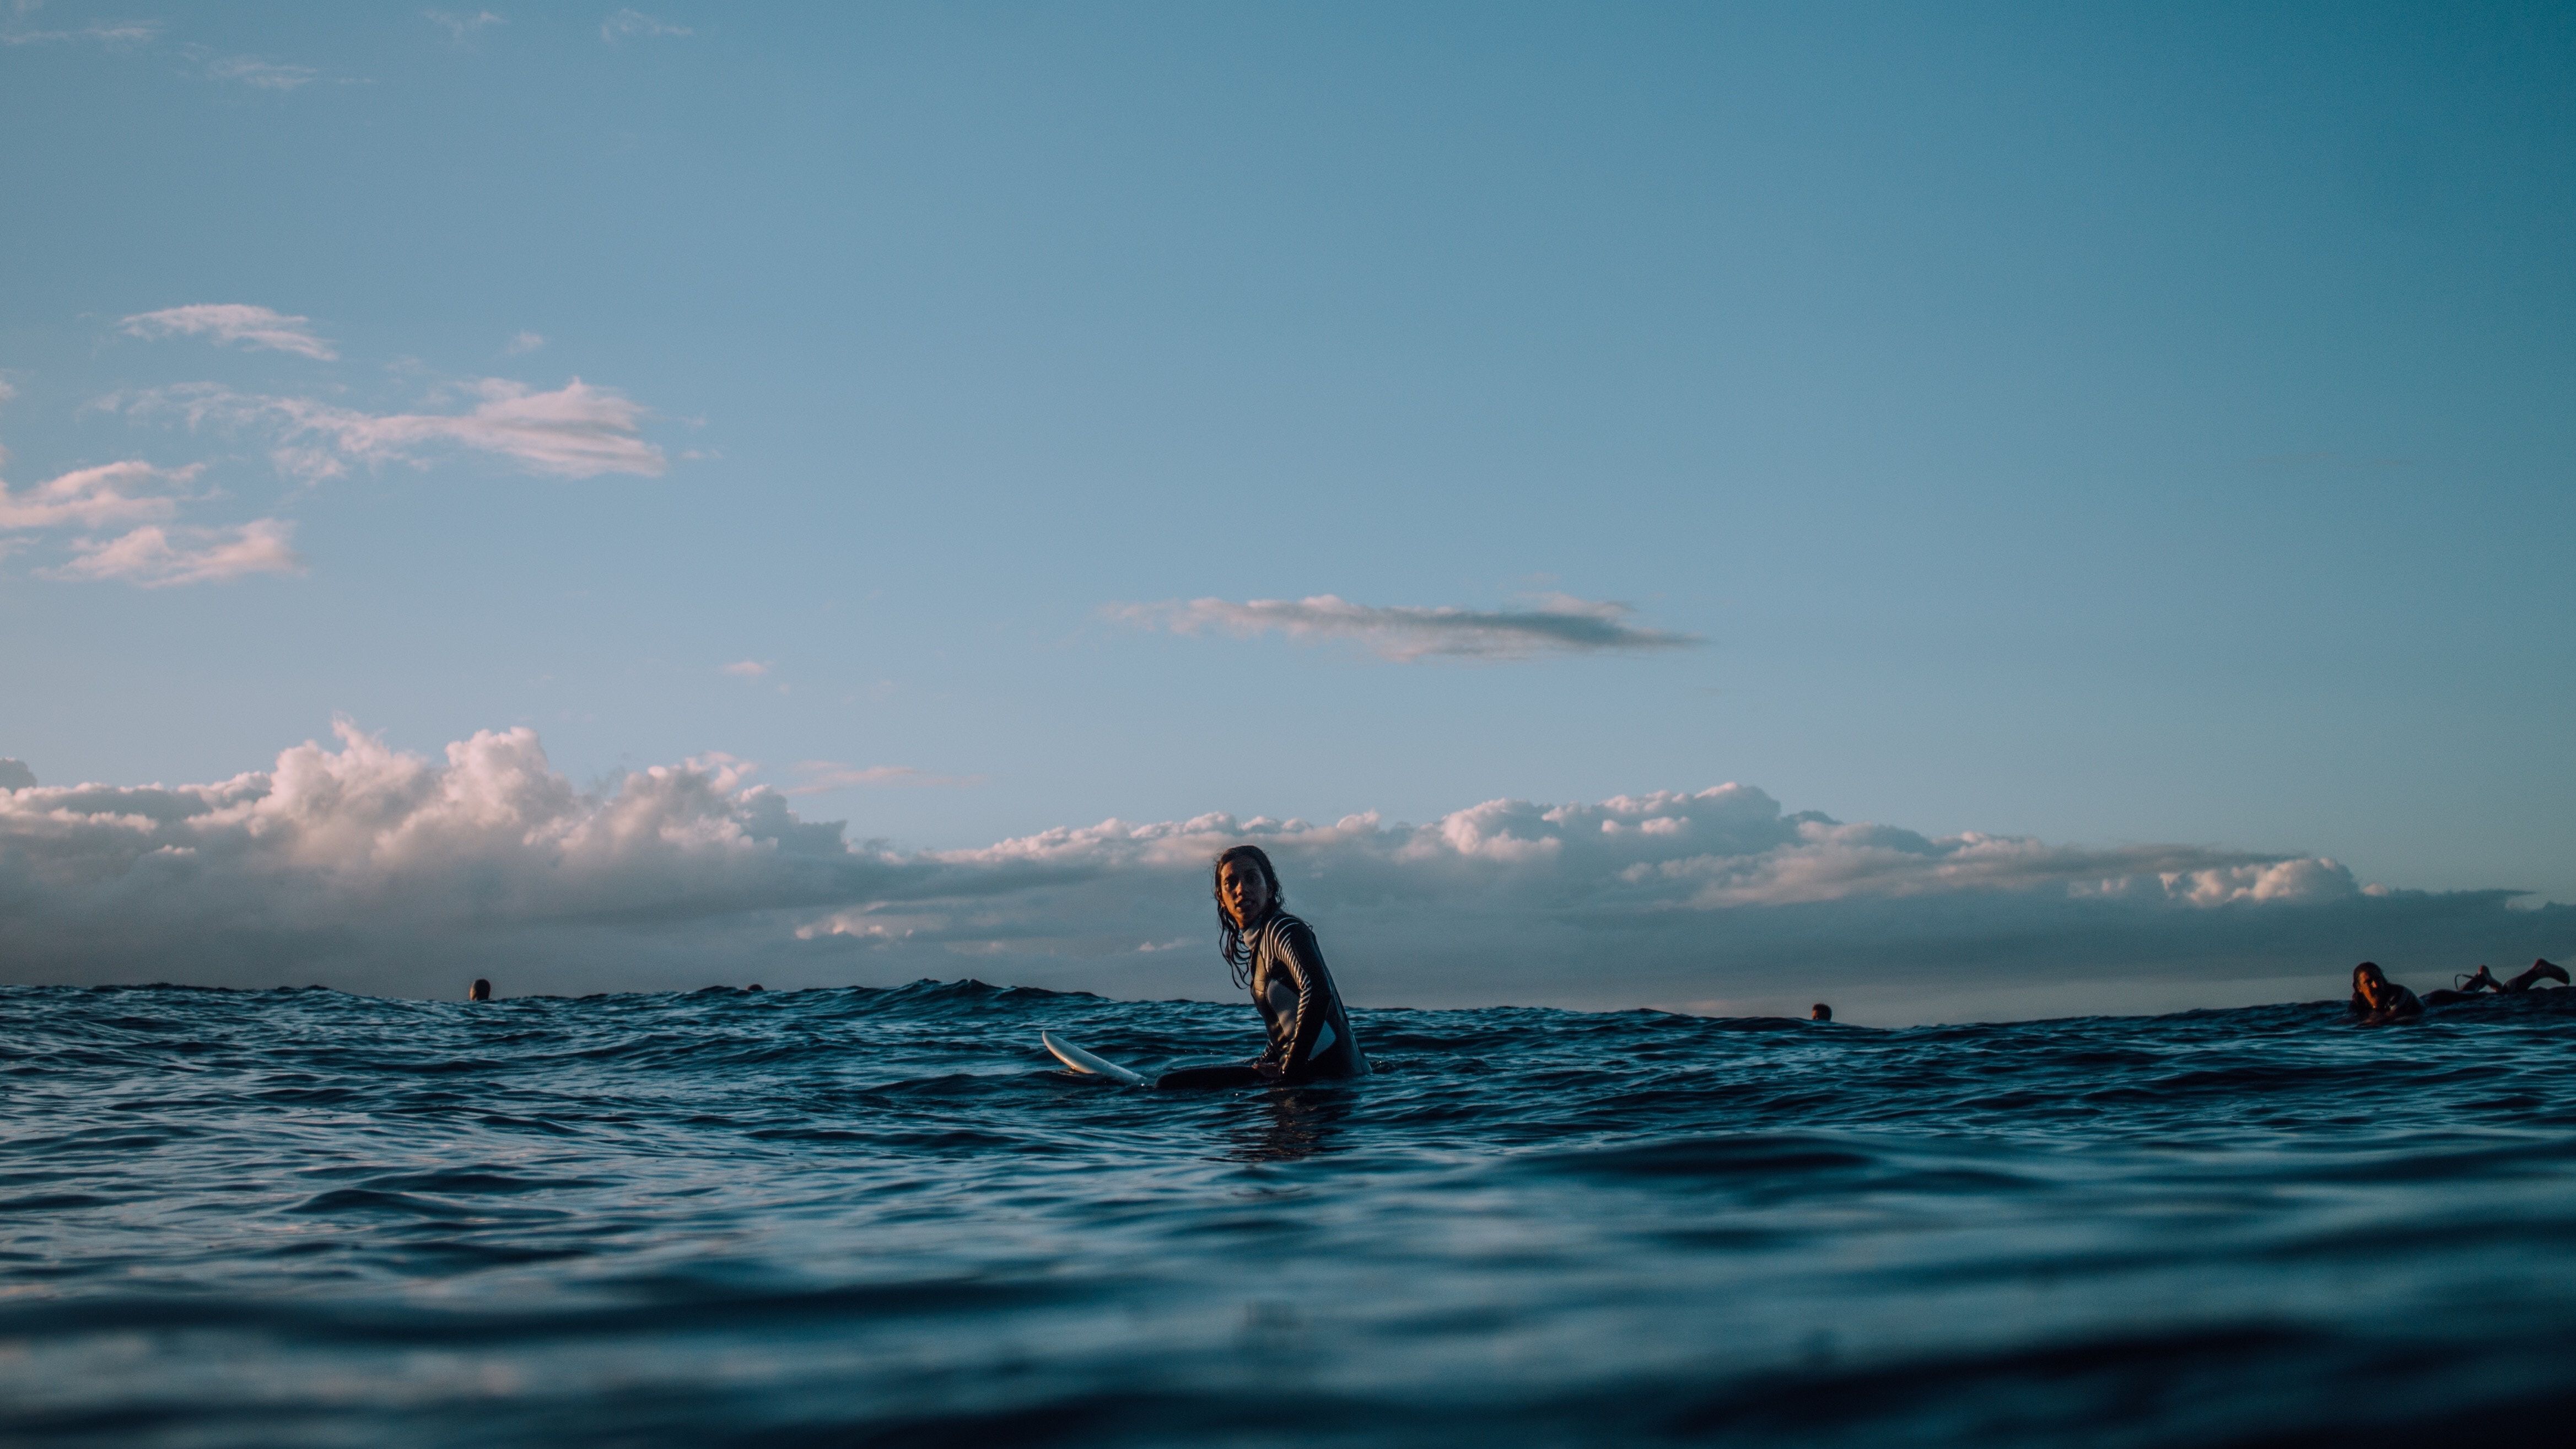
2376 1000
1274 954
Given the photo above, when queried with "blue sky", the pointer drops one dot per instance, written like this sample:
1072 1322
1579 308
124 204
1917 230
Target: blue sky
2071 422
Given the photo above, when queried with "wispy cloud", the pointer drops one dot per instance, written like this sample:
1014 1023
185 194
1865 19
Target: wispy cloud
266 75
525 342
112 493
152 557
234 322
1555 623
575 431
821 776
130 492
634 24
746 669
462 27
108 33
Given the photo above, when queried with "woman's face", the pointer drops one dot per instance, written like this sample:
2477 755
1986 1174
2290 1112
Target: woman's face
1247 895
2371 985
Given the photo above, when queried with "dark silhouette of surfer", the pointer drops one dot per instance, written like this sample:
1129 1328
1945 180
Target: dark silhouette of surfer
481 990
2376 1000
2484 980
1820 1012
1275 955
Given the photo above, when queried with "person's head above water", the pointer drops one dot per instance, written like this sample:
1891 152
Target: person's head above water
1820 1012
1247 889
481 990
1247 886
2370 983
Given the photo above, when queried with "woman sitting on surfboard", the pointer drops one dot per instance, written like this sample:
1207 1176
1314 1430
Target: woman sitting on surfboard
1275 954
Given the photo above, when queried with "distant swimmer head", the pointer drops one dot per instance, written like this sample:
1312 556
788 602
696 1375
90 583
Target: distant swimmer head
755 986
481 990
1247 889
1820 1012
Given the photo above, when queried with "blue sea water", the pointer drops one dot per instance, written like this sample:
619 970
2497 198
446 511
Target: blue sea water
885 1217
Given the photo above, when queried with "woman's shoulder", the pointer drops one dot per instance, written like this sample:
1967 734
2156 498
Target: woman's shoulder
1284 927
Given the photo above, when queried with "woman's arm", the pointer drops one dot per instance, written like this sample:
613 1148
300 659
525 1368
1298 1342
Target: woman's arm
1300 953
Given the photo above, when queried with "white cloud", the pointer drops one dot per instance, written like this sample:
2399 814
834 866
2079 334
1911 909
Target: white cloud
96 497
261 74
130 492
745 669
234 322
368 867
820 777
152 557
462 27
107 33
1555 623
629 24
575 431
525 342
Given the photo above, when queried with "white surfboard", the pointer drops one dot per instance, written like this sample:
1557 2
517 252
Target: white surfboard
1087 1064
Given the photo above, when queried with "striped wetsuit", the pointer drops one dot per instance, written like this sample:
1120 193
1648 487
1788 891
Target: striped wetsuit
1310 1033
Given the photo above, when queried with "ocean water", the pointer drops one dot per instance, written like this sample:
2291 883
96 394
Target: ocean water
885 1217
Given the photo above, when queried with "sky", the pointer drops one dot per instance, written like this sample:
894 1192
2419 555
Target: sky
921 434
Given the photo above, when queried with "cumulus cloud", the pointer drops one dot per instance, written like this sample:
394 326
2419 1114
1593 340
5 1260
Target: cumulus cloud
96 497
153 557
373 868
335 855
634 24
234 322
1555 623
575 431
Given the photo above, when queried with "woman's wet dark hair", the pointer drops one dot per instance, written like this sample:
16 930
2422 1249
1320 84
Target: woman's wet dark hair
2370 966
1229 937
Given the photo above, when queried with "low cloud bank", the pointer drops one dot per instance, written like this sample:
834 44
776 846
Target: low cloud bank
374 869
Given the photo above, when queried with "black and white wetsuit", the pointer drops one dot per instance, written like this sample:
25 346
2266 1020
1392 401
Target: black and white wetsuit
1310 1032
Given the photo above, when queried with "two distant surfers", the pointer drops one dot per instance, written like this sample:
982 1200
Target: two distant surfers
1275 955
2376 1000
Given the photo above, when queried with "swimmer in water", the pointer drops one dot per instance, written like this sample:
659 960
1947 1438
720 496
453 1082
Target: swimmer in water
1275 955
2376 1000
481 990
2484 980
1820 1012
